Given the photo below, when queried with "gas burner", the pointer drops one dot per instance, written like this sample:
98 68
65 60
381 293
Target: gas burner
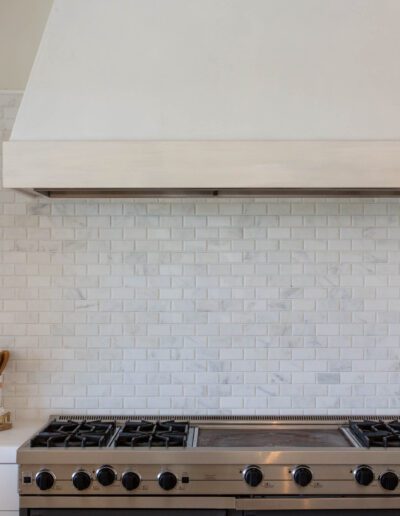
159 434
376 433
66 434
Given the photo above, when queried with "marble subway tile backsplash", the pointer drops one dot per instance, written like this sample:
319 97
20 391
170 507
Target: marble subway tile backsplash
256 306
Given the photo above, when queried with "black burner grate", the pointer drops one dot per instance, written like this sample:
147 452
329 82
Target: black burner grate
376 433
148 434
66 434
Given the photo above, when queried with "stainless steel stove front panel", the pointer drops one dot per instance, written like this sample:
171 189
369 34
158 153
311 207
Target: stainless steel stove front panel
208 456
211 480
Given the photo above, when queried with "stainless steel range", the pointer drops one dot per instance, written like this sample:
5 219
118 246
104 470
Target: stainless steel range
211 465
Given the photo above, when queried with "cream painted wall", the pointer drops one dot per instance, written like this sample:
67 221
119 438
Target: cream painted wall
21 27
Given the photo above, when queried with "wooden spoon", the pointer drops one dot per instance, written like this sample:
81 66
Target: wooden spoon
6 356
1 359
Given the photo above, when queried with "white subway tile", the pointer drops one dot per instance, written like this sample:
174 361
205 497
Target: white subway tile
199 305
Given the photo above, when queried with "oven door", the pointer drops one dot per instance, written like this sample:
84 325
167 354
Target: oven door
124 512
331 512
206 512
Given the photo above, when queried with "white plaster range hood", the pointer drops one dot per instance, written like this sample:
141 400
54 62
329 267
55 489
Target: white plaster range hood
154 97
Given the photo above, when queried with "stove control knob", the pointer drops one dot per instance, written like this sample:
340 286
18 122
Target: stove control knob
45 479
302 475
389 480
252 475
167 480
130 480
81 480
363 475
106 475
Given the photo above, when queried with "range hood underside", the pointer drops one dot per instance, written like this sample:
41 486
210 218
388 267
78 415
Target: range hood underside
203 168
223 192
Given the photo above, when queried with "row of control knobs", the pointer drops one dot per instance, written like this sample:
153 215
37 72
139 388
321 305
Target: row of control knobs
302 475
364 476
106 476
252 475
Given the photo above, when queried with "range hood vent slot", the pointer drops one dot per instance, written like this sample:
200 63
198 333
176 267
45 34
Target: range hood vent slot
232 192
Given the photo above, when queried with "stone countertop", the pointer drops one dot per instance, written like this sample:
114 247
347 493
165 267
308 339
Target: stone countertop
11 440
